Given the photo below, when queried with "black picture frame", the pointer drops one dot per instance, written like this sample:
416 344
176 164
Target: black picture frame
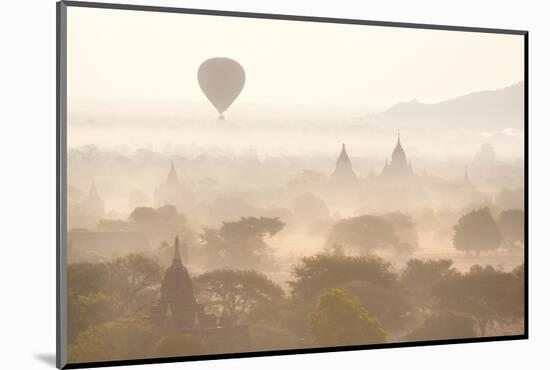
61 175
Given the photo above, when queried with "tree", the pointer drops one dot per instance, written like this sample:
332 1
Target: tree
308 207
405 231
419 276
178 345
443 325
364 233
131 275
84 278
487 295
512 226
340 321
236 293
162 224
91 309
101 291
476 231
240 243
389 305
321 272
120 339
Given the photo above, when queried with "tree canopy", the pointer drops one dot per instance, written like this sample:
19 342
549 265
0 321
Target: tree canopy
98 292
236 293
487 295
91 309
119 339
319 272
389 305
132 274
339 321
476 232
405 231
161 224
363 233
240 243
419 276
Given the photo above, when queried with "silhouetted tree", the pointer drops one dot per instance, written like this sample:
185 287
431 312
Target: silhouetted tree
485 294
405 231
339 321
512 226
236 293
161 224
391 306
335 249
240 243
364 233
419 276
91 309
320 272
476 231
444 325
132 274
85 278
120 339
308 207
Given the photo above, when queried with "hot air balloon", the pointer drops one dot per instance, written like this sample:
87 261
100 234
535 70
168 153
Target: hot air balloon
221 80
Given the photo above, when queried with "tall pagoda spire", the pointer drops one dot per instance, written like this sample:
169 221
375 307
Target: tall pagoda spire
343 173
172 175
343 158
93 196
177 254
398 146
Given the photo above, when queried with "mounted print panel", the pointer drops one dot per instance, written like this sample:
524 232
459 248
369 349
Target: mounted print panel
238 184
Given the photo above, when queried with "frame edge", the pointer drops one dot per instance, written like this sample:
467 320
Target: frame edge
61 144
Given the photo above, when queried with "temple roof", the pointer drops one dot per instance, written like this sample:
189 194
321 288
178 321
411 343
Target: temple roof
343 157
398 147
172 175
177 287
343 173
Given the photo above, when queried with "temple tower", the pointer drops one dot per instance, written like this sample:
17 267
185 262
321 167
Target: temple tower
176 307
343 174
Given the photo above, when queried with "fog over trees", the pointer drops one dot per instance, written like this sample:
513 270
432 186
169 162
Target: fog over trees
321 191
294 258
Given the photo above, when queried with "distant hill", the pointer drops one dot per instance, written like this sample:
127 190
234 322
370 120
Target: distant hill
494 109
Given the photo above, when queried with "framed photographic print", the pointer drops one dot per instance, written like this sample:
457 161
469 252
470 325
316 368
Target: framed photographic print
236 184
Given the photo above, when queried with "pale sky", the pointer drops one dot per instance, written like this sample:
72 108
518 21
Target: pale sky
136 57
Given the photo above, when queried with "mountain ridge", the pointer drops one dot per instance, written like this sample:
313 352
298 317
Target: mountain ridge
499 108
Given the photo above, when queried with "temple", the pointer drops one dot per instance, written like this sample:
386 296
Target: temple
177 312
88 212
343 174
399 169
177 306
93 204
173 192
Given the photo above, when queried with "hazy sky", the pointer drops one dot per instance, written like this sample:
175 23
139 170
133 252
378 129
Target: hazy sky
135 57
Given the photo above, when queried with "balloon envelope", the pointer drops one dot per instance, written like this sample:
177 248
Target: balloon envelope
221 80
